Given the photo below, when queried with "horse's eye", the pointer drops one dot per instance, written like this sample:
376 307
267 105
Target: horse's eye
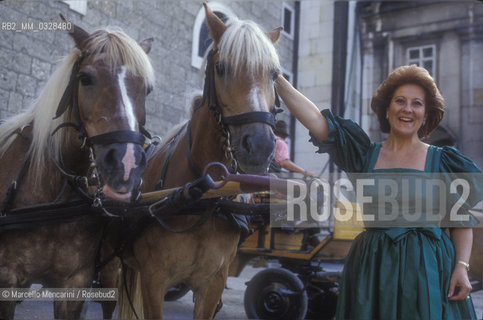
149 89
220 68
85 79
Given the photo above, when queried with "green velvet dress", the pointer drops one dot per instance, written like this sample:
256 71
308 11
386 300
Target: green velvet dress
399 272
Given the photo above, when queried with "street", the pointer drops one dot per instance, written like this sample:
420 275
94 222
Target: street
182 309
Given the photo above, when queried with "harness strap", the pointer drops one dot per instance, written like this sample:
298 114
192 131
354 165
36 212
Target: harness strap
47 214
119 136
7 202
196 170
69 98
171 149
10 195
204 217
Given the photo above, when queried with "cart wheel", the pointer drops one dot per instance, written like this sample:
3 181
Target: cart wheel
176 292
275 293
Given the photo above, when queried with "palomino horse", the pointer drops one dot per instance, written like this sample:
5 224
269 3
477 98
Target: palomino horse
232 123
97 93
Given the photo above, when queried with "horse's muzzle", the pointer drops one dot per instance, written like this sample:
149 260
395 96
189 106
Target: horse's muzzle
120 167
254 147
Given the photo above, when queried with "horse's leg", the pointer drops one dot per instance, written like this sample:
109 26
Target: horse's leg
67 309
153 294
72 309
8 279
109 276
207 297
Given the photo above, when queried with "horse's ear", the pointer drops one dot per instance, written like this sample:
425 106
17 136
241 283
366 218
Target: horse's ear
146 44
274 35
78 34
215 24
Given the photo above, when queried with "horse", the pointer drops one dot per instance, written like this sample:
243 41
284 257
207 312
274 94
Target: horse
86 125
232 123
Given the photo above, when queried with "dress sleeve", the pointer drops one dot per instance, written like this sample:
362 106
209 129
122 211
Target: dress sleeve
455 165
347 144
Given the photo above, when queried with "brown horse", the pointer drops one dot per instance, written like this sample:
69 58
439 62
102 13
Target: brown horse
97 93
232 123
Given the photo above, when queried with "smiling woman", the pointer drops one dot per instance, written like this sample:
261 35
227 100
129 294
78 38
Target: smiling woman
379 279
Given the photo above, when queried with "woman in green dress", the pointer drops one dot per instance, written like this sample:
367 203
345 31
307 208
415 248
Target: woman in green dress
397 272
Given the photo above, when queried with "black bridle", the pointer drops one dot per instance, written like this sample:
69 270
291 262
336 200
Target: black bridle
69 102
210 98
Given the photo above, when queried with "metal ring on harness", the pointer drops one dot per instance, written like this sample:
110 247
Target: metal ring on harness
223 168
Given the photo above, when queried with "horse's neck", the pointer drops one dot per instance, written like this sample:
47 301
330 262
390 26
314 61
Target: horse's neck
74 161
35 185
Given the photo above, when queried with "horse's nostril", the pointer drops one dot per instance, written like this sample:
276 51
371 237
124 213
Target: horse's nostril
246 143
110 158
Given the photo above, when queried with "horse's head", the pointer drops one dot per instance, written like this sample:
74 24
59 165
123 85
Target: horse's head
244 65
106 97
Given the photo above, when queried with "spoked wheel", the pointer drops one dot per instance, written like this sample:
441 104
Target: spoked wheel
176 292
275 293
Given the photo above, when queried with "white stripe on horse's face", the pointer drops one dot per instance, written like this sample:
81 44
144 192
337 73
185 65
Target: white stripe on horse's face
129 161
126 101
256 99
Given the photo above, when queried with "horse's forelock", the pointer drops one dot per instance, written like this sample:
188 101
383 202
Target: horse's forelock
246 47
119 49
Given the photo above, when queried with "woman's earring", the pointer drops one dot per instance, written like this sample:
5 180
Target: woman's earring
387 117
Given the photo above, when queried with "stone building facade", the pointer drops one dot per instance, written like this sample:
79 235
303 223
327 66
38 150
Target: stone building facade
27 58
380 36
447 39
444 36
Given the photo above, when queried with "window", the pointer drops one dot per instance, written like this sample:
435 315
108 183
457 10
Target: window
288 20
201 33
423 56
79 6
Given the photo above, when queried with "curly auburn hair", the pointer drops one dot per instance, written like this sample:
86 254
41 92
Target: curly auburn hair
409 75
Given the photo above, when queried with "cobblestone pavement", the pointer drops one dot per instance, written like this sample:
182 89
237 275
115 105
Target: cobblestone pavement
182 309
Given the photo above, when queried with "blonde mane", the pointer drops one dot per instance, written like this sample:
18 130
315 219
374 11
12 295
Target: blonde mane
117 49
245 46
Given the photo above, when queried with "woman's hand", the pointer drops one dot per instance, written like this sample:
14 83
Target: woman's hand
303 109
459 286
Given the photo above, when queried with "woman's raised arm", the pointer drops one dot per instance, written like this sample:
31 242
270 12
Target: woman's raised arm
303 109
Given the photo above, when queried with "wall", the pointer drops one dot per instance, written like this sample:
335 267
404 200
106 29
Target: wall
456 28
315 72
28 58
